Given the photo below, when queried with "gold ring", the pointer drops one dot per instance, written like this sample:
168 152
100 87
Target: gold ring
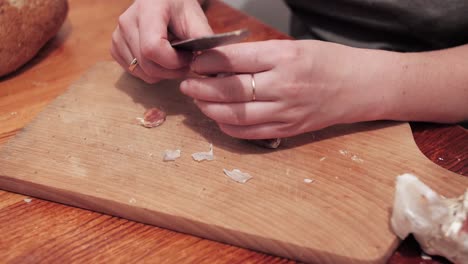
133 65
254 97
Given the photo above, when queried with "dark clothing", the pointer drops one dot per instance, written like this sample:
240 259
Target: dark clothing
399 25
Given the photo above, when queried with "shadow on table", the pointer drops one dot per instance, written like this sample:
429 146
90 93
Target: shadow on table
410 252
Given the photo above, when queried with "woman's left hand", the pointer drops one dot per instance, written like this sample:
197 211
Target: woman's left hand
300 86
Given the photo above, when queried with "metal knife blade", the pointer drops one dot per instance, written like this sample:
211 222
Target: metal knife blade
211 41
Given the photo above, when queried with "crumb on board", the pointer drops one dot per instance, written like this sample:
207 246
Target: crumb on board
308 180
322 158
132 200
171 155
27 200
343 152
201 156
238 176
355 158
153 117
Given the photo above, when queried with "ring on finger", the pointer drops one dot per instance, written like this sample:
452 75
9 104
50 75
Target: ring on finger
133 65
254 97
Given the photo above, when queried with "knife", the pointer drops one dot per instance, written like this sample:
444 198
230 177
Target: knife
211 41
216 40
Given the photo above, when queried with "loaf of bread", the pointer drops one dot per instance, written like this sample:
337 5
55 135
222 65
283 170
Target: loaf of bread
25 26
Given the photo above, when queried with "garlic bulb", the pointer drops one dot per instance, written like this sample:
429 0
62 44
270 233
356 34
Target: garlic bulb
439 224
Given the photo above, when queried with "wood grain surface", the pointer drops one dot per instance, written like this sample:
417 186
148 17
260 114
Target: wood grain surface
94 154
41 231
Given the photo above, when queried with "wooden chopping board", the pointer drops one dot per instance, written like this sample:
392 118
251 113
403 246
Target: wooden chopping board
86 149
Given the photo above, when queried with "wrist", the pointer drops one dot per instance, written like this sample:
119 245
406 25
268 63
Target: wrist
426 86
376 79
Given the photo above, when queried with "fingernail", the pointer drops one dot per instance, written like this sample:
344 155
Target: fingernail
183 86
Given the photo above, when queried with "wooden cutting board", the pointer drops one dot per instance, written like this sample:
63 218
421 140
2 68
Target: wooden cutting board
86 149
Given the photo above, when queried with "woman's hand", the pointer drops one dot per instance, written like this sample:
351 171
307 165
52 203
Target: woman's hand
300 86
143 33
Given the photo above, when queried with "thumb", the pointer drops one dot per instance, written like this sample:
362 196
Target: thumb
188 20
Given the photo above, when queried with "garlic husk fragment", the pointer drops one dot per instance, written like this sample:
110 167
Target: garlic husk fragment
153 117
439 224
237 175
201 156
171 155
308 180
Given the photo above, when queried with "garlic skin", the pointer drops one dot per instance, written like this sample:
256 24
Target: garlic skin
153 117
439 224
201 156
171 155
238 176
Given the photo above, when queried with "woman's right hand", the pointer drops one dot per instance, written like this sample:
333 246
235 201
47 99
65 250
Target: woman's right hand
143 33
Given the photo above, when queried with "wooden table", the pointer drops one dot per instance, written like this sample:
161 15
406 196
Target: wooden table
41 231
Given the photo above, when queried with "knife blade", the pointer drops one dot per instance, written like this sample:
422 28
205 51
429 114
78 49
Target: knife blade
211 41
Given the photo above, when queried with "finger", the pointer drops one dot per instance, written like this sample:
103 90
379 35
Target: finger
191 23
231 89
242 113
129 30
238 58
258 131
154 45
121 53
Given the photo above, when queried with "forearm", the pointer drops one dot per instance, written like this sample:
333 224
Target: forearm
427 86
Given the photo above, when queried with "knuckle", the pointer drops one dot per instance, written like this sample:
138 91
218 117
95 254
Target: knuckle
152 48
291 90
290 51
122 22
148 49
114 54
239 120
114 50
114 39
229 116
255 55
230 94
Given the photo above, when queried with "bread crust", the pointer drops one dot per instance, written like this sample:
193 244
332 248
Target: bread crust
26 26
